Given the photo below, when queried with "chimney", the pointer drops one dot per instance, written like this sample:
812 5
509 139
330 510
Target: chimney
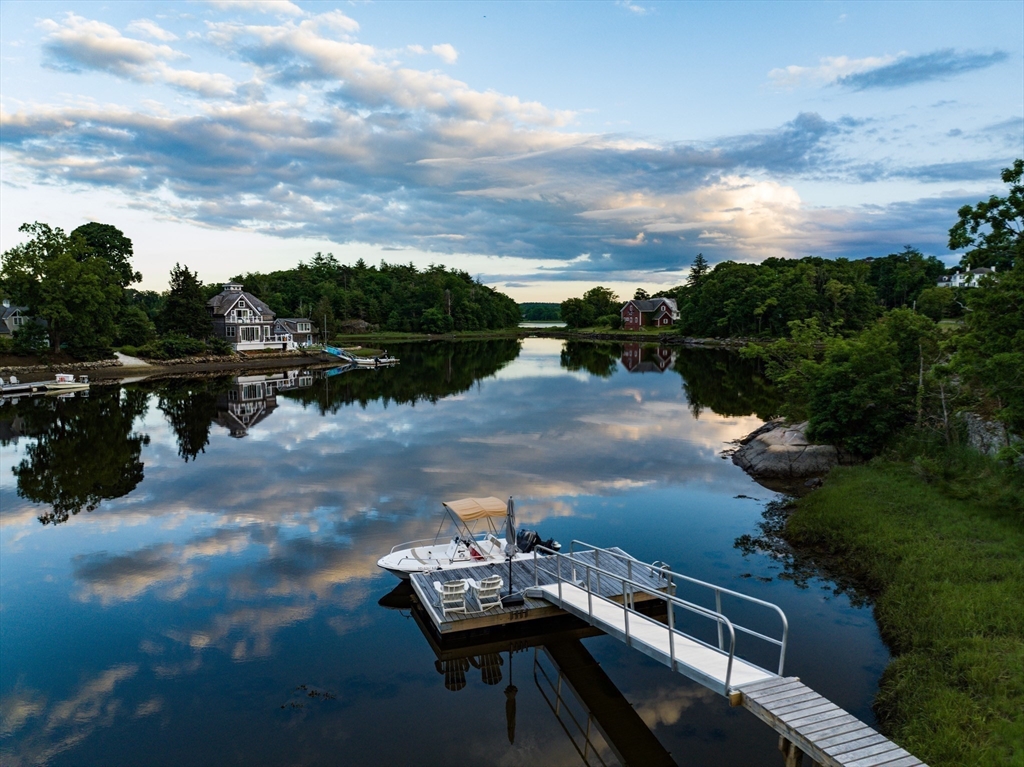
7 303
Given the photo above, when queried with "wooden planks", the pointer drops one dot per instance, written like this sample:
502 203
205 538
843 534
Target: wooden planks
819 728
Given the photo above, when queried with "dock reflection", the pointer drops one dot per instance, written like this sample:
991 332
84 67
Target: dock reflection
601 723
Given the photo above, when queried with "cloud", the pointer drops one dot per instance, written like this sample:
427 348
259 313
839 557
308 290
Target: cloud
335 139
78 44
280 7
151 29
639 10
446 53
884 71
911 70
829 69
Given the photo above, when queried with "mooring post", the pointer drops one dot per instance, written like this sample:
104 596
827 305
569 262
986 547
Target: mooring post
794 756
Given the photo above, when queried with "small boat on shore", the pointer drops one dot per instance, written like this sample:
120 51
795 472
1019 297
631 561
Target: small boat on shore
63 382
466 546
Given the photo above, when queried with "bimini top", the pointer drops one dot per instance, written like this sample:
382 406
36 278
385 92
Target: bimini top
469 509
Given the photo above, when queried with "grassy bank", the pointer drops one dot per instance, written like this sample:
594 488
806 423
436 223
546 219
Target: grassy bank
941 545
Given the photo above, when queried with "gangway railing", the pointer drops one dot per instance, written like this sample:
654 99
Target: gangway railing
666 572
631 587
563 712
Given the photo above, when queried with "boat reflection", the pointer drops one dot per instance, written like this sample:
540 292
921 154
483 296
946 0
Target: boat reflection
603 726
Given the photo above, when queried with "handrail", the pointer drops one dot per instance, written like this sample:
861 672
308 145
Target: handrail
670 600
719 590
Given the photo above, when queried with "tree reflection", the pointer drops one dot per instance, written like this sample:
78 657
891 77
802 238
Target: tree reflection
428 372
85 449
598 359
191 408
726 383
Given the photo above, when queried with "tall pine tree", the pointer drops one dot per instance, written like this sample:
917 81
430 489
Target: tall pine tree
185 312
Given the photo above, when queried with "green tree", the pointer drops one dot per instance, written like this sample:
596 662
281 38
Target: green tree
989 353
29 339
75 292
937 303
698 270
577 313
603 301
134 327
109 243
994 228
641 295
184 312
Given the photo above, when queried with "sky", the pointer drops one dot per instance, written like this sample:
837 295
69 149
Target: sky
542 147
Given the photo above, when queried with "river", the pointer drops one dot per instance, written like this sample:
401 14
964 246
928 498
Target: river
187 567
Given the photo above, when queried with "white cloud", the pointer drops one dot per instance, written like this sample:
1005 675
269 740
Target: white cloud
829 69
280 7
151 29
446 52
639 10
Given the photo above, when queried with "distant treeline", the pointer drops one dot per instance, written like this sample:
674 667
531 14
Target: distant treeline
736 299
395 297
538 312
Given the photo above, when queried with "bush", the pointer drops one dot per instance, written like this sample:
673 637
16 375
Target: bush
131 351
172 347
29 339
220 346
434 321
6 345
134 327
612 321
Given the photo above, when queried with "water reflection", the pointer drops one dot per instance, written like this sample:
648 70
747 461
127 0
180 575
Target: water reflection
198 597
85 449
601 724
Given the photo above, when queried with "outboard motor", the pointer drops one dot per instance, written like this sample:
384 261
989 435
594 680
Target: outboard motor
526 540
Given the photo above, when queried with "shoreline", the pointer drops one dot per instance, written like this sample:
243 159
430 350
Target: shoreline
109 368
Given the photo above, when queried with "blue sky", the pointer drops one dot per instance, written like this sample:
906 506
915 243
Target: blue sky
545 147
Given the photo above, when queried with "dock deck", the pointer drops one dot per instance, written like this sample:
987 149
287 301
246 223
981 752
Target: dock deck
819 728
533 608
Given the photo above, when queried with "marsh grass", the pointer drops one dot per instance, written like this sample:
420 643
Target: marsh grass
940 543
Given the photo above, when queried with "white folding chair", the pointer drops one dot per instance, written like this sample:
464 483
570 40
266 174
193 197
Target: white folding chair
488 592
453 596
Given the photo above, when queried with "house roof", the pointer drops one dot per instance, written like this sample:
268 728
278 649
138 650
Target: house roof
223 301
293 322
7 311
652 304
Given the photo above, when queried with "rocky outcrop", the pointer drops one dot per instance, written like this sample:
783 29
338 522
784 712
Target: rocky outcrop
782 451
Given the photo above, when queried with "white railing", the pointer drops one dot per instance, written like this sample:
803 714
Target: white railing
666 572
631 587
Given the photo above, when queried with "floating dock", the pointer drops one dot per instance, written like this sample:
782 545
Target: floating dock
523 578
606 587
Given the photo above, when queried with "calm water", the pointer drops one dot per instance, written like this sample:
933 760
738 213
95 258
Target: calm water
188 567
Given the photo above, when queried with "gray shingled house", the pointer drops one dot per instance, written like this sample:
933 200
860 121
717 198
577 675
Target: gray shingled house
244 321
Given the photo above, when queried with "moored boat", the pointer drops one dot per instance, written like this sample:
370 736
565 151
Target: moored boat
476 540
63 382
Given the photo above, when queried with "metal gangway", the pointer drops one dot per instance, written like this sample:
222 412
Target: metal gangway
807 722
340 353
577 590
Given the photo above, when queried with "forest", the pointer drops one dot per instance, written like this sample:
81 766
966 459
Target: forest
392 297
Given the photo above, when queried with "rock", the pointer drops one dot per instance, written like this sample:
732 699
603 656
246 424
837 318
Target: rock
350 327
782 451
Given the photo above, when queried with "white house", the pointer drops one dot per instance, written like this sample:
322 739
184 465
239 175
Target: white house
967 279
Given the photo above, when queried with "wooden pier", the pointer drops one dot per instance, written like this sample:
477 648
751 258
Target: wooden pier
818 728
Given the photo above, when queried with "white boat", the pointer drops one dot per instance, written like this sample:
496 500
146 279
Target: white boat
66 382
467 547
63 382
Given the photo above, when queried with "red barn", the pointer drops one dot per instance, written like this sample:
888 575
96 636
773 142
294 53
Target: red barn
660 312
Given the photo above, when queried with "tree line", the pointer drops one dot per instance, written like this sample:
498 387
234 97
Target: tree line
392 297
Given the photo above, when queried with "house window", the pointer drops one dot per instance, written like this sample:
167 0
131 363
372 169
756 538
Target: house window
231 331
249 333
18 320
252 391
